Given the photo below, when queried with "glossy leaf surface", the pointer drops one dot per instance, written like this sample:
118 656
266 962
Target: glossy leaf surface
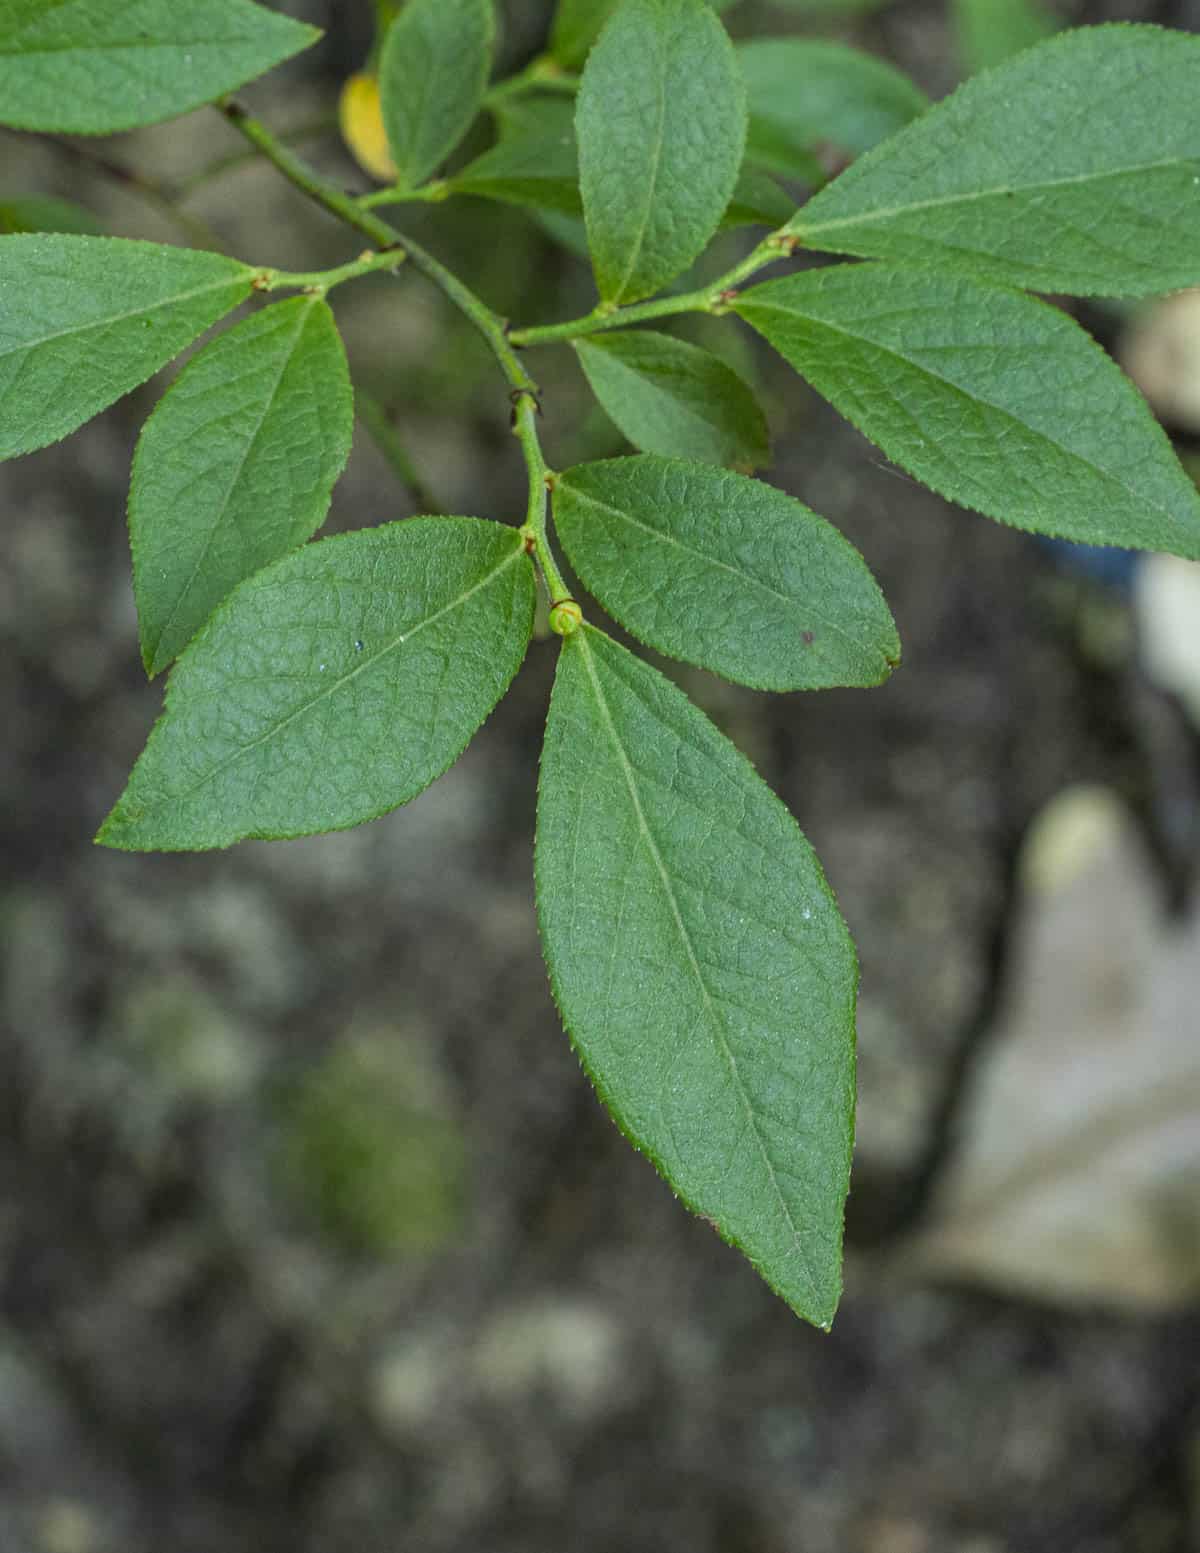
86 319
432 74
332 686
725 572
700 964
236 466
997 401
91 67
671 397
1074 167
661 121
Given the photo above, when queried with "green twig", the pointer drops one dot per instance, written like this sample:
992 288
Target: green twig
298 172
565 614
385 437
716 297
321 281
428 193
385 236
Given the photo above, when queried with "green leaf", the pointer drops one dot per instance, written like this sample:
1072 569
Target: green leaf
534 163
1074 167
832 8
997 401
674 398
725 572
236 466
991 31
803 93
332 686
757 200
578 23
44 213
89 318
433 72
700 964
661 120
91 67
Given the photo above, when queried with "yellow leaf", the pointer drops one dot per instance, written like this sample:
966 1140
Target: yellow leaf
362 127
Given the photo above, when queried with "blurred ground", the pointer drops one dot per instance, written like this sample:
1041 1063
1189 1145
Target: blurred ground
312 1235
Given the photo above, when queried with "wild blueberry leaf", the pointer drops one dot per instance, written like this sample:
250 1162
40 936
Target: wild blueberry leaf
235 467
757 200
725 572
432 75
91 67
45 213
831 8
85 319
661 121
701 967
803 93
578 23
332 686
1073 167
991 31
997 401
534 163
671 397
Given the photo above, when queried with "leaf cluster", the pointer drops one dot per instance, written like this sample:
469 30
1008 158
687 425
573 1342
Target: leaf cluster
695 950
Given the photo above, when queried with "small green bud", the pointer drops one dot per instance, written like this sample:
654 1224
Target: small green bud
565 617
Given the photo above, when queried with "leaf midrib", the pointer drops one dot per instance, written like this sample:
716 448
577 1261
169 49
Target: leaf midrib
29 345
716 1018
636 247
884 212
400 639
139 45
709 560
974 398
304 316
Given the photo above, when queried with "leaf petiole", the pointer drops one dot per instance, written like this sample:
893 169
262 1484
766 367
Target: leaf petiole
319 282
717 297
565 614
